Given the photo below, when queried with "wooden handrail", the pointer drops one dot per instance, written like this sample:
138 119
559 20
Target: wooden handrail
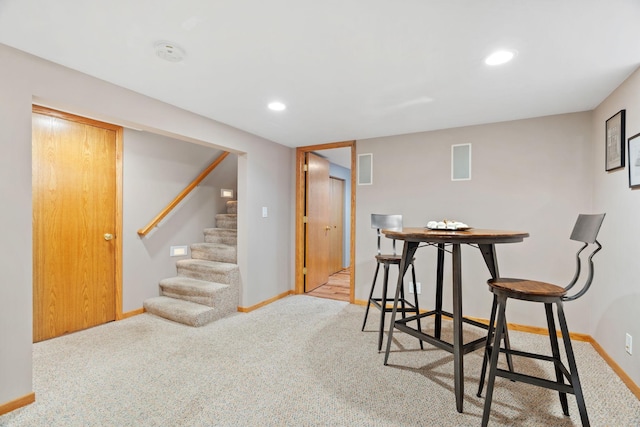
164 212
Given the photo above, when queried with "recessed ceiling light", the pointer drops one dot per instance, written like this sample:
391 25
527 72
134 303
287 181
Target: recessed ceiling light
169 51
277 106
500 57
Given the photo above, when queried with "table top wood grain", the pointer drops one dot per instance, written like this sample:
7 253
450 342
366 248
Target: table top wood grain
471 235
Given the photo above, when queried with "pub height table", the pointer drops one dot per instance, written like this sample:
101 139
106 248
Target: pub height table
485 240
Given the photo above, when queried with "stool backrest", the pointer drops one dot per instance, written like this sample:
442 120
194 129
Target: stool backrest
386 222
586 231
587 228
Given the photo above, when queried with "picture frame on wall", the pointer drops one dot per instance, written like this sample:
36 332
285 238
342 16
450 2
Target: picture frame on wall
634 161
614 141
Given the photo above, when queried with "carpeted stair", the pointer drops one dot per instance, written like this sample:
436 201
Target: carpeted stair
207 285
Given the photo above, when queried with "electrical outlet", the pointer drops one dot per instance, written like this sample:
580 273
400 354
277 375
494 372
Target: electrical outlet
418 287
627 344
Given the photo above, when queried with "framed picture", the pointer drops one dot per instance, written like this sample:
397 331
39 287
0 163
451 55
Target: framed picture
634 161
614 156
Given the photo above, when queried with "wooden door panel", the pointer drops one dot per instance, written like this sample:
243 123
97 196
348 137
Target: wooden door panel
74 178
336 232
317 226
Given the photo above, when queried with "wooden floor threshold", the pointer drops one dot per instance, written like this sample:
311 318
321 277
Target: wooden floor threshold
337 288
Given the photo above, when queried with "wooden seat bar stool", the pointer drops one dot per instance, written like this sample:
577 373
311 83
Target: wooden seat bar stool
585 231
389 222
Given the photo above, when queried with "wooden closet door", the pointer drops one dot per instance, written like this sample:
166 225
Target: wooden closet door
317 226
336 232
74 214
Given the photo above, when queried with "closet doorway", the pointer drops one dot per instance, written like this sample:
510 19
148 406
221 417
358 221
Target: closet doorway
77 222
325 220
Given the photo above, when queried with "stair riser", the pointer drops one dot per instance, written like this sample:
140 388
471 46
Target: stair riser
184 289
195 321
221 298
232 207
227 240
221 235
209 274
172 311
219 255
228 223
208 301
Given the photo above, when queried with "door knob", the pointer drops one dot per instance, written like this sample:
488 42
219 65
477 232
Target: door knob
328 227
108 236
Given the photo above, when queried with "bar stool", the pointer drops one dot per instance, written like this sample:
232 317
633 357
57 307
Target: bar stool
389 222
585 231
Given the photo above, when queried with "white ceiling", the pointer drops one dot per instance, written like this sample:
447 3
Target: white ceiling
347 69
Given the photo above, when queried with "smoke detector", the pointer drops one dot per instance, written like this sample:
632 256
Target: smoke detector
169 51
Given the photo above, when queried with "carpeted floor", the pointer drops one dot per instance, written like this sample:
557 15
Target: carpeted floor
301 361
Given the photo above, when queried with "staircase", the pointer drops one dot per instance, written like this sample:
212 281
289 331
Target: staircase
207 285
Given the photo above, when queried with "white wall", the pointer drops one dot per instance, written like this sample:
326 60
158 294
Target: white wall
265 178
15 217
615 297
531 175
155 170
269 183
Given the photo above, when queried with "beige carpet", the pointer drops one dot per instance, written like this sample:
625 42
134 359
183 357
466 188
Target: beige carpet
301 361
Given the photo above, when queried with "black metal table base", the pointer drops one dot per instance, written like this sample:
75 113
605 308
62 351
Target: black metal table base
435 339
457 348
